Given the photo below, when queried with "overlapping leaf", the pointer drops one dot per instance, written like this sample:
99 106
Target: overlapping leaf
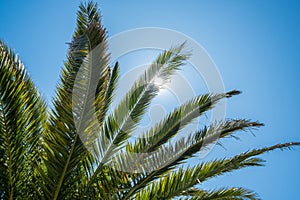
78 151
22 117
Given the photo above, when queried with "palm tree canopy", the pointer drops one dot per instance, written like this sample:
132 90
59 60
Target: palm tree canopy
80 148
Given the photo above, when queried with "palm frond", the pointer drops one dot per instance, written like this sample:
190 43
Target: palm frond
169 157
66 158
87 14
109 184
106 92
126 116
175 121
78 151
133 106
226 194
183 180
128 113
22 117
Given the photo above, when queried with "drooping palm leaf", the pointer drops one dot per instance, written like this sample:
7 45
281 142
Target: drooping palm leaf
181 182
169 157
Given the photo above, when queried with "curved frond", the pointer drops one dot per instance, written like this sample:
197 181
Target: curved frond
169 157
22 117
128 113
183 180
225 194
126 116
175 121
78 150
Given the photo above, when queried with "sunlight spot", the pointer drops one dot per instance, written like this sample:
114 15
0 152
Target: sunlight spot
159 82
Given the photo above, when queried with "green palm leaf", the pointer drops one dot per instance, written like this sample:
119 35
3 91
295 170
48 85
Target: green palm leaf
128 113
226 194
177 120
169 157
66 157
118 126
82 149
182 181
22 117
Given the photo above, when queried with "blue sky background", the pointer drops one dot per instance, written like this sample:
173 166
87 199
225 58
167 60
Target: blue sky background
255 45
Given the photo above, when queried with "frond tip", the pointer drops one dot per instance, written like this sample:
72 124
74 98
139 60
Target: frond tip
233 92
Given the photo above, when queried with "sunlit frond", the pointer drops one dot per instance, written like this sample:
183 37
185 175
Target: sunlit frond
177 120
66 158
169 157
82 149
22 117
183 181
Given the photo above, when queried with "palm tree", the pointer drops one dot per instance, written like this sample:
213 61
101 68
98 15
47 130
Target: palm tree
80 149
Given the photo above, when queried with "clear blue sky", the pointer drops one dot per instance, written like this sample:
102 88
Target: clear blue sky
255 44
